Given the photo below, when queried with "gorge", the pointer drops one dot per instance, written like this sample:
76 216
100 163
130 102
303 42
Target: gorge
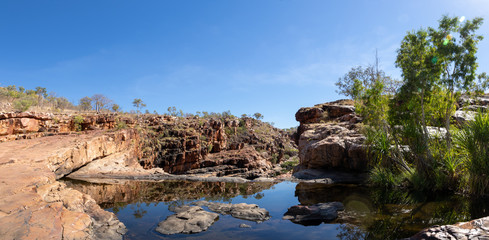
117 177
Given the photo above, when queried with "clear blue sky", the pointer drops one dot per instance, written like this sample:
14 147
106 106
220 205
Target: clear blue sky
267 56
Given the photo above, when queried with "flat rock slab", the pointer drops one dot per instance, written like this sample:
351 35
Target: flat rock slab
250 212
33 205
190 219
314 214
329 176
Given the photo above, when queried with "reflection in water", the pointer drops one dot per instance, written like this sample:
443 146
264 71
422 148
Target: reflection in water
380 214
369 213
116 196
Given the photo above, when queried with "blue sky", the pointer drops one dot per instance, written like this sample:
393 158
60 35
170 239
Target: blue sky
267 56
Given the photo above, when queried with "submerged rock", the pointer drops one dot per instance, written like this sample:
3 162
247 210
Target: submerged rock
189 219
314 214
243 211
242 225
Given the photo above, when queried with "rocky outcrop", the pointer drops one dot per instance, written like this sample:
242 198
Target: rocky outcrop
33 205
250 212
475 229
328 138
188 219
314 214
246 162
28 125
223 147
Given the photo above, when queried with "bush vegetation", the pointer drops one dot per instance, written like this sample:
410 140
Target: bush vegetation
438 66
23 99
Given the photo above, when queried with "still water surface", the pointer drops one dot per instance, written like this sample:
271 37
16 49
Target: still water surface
369 213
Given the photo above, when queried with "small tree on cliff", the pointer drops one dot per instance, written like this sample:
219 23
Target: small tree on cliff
85 104
258 116
100 102
138 103
116 107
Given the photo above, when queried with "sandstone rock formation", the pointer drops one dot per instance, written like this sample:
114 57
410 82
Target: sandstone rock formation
328 138
190 219
33 205
223 147
250 212
27 125
314 214
193 219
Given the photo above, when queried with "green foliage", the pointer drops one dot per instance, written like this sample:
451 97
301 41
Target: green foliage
290 164
100 102
354 83
229 131
274 158
473 139
78 120
172 111
209 147
85 104
23 104
258 116
120 124
116 107
138 104
23 99
385 177
434 75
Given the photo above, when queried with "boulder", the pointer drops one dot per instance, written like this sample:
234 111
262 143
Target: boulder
250 212
189 220
314 214
309 115
332 146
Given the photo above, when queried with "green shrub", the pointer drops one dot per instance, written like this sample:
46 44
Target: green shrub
473 139
23 104
120 125
78 120
289 164
385 178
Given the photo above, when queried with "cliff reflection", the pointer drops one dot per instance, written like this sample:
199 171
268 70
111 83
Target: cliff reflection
129 192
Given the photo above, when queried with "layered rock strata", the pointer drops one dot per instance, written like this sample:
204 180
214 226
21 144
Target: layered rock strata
28 125
328 138
221 147
33 205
